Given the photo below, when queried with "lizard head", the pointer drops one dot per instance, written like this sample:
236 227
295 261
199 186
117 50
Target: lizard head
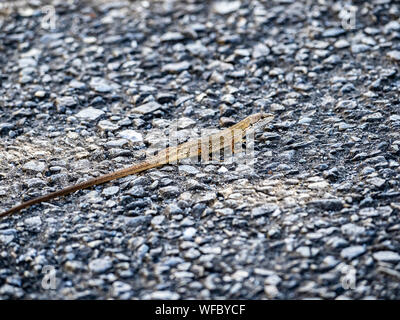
258 116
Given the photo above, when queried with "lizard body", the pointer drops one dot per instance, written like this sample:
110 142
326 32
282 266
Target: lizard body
220 140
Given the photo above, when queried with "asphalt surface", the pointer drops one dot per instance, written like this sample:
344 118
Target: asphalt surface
96 86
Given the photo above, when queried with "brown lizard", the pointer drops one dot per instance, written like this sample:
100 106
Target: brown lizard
220 140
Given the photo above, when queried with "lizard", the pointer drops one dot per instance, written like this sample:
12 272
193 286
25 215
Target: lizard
220 140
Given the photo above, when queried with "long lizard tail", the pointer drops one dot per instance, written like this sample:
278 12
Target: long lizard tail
86 184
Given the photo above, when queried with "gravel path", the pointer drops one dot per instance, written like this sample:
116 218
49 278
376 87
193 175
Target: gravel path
318 217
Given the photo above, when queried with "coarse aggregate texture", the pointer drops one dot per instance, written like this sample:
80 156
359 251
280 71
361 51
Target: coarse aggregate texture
319 209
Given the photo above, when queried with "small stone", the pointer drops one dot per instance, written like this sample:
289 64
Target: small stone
90 114
169 192
101 85
260 51
341 44
346 88
131 135
136 191
158 220
35 183
121 290
188 169
197 48
394 55
100 265
107 125
333 32
185 122
27 62
336 242
328 204
305 120
371 30
271 291
265 209
6 238
165 97
5 127
173 209
192 254
226 121
148 107
11 291
394 117
346 105
110 191
135 221
172 36
304 251
189 233
228 99
113 39
40 94
329 262
392 26
217 77
273 279
33 221
226 7
26 12
352 229
359 48
119 143
238 74
377 182
25 79
77 85
387 256
74 266
93 197
176 67
187 222
275 107
164 295
34 166
318 185
66 102
369 212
